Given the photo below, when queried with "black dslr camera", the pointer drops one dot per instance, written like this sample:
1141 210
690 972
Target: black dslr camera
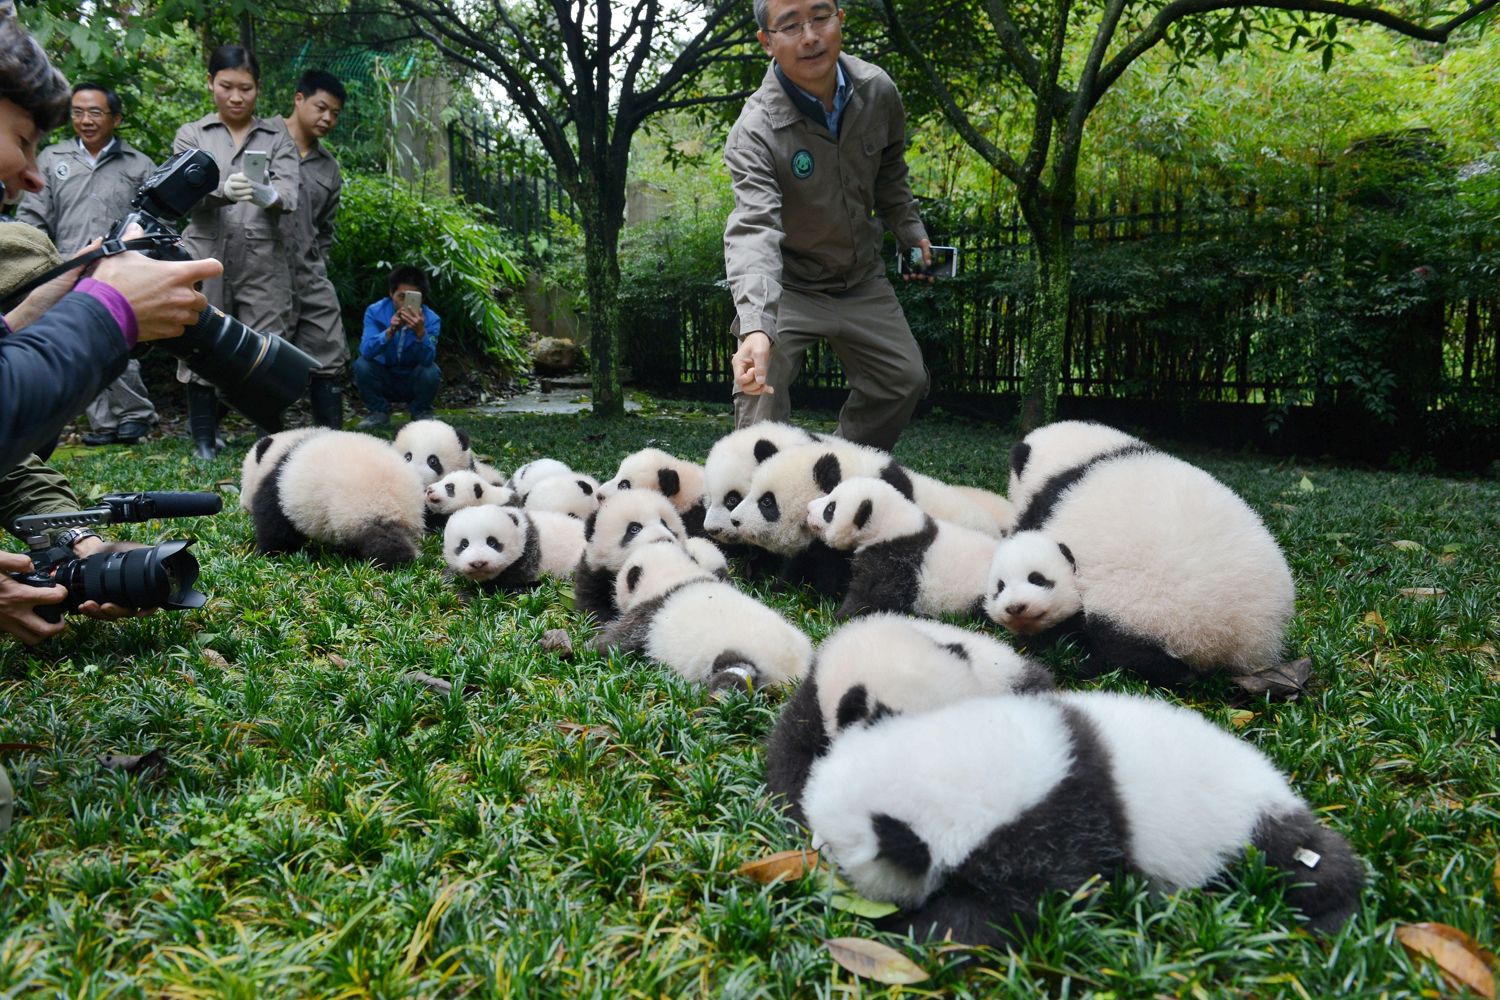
154 576
258 374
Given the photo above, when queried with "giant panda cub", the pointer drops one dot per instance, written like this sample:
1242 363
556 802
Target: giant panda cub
885 665
1174 575
533 472
966 815
263 456
679 481
904 559
676 612
350 491
623 521
570 493
434 448
505 547
459 489
1051 458
731 464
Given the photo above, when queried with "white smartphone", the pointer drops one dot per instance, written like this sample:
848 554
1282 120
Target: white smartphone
413 301
253 164
944 262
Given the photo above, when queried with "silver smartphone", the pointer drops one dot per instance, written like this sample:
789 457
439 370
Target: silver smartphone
944 262
253 164
413 301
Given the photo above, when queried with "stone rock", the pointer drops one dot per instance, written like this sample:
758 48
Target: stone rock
554 355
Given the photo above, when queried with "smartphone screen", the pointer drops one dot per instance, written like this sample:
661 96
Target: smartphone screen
254 164
412 301
944 262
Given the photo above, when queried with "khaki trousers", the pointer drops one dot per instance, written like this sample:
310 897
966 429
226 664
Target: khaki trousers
123 400
865 327
317 326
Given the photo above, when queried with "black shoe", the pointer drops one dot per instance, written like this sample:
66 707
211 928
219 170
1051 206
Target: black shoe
132 431
326 398
203 421
96 438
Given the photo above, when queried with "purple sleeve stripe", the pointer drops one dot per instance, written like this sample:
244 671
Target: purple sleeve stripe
116 303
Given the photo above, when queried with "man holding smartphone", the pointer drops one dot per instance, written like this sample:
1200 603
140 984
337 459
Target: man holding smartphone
397 360
818 163
316 326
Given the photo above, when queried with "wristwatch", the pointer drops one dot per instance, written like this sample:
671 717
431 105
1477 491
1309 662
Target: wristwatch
73 536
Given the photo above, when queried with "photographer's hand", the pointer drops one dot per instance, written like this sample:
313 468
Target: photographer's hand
925 245
18 602
749 363
163 293
44 297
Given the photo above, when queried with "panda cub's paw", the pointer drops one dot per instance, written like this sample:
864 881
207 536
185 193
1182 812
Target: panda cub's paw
732 673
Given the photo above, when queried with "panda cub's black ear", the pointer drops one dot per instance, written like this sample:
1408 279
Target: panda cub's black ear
827 473
588 526
668 481
1018 456
463 441
260 448
763 450
862 515
1067 554
632 579
583 484
514 518
899 844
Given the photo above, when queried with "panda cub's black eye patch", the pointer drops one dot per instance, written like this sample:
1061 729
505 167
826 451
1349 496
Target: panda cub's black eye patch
458 549
448 488
632 529
828 509
732 499
769 509
623 484
494 543
1038 580
1000 587
434 464
478 491
408 456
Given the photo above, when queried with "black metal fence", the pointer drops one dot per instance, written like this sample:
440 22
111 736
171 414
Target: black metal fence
482 168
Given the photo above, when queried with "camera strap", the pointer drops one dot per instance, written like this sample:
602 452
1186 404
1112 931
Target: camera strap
109 249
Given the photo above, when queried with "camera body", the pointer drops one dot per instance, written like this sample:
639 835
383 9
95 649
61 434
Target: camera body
153 576
258 374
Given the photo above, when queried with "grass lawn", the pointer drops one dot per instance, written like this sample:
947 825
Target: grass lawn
325 826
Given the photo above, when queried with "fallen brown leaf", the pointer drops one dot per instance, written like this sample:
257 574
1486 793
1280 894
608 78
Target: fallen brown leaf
21 747
438 685
1375 618
783 864
579 728
338 661
1407 545
1463 964
1496 877
213 656
1422 592
556 640
873 960
1241 717
1280 683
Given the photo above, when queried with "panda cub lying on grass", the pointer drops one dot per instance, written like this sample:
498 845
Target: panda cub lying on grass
503 547
966 815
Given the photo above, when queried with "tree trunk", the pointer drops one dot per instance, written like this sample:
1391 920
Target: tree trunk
601 239
1049 314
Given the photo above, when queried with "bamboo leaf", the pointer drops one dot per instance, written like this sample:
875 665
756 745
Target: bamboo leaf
873 960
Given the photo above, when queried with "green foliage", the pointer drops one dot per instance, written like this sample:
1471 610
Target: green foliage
570 825
383 224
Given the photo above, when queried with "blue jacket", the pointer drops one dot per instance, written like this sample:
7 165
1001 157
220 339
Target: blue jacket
403 350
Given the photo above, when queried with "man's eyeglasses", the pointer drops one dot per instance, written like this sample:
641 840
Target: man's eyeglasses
92 114
818 25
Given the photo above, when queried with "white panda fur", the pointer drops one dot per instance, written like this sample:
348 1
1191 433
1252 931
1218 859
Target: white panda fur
625 520
1051 454
731 464
463 488
263 456
965 815
883 665
347 490
571 493
1176 575
678 480
708 555
508 547
434 448
489 473
904 559
528 475
678 614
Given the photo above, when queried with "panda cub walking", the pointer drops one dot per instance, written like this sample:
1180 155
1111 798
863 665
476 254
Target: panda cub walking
966 815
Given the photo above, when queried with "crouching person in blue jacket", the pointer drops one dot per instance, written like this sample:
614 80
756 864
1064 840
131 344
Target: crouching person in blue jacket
397 360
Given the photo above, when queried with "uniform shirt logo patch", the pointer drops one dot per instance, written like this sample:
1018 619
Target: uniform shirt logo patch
61 170
802 164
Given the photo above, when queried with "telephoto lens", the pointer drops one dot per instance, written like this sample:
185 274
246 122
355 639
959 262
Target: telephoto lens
154 576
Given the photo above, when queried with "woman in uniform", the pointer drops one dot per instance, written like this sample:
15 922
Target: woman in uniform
240 222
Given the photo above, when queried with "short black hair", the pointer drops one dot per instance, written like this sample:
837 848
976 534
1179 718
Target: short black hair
407 274
110 97
233 57
315 80
27 78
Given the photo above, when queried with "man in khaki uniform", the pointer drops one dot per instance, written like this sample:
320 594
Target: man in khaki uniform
316 325
90 184
817 160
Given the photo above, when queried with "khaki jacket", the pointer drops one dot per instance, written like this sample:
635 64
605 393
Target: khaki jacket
81 201
216 217
309 230
808 207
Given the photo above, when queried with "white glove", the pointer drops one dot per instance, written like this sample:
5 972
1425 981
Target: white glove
264 195
239 187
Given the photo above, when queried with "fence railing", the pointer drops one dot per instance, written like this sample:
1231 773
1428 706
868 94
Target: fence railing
480 170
